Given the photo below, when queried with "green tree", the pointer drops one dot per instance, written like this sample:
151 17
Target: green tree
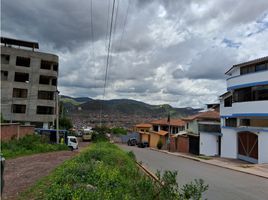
159 144
119 131
65 123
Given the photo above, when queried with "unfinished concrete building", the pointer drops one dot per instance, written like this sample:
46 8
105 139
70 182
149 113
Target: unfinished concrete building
28 83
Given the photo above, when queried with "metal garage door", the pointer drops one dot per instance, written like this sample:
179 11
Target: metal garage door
248 146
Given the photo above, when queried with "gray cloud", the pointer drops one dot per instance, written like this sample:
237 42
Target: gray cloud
172 51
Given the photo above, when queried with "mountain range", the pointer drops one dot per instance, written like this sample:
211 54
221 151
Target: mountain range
131 110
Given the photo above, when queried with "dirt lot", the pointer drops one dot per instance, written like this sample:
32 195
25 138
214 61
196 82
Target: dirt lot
21 173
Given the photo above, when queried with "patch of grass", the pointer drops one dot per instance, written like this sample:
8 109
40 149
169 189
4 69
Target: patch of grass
72 101
103 171
204 157
30 144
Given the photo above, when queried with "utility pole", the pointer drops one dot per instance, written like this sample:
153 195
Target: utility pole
169 131
57 117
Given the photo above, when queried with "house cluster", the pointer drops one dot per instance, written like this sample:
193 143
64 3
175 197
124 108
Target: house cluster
236 128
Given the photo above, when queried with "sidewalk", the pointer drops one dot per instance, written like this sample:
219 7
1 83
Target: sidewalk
260 170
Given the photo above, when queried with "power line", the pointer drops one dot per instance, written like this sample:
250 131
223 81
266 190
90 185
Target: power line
124 26
108 51
107 60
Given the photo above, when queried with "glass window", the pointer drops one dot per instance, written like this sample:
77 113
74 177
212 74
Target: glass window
231 122
228 101
17 108
19 93
73 140
261 67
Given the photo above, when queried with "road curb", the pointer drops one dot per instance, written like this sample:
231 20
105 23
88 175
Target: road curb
204 161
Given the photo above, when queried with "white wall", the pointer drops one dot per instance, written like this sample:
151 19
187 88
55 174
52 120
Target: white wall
250 107
208 144
247 78
229 143
263 147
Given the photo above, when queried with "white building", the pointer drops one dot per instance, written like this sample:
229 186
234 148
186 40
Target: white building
244 112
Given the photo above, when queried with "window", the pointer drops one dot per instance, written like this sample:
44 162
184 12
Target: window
44 80
252 68
54 81
155 128
4 75
73 140
48 95
19 93
242 95
45 110
22 61
209 128
18 108
55 67
245 122
21 77
5 59
187 125
247 69
261 67
142 130
260 93
231 122
228 101
45 64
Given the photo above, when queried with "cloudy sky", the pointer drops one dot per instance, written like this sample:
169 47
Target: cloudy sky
163 51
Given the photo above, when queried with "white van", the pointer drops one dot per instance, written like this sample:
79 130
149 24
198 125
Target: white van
72 142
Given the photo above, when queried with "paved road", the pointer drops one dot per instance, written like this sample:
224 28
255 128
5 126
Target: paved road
224 184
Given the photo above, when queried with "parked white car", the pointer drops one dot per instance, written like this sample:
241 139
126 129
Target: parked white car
72 142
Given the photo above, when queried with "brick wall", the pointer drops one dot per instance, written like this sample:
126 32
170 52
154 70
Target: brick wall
15 130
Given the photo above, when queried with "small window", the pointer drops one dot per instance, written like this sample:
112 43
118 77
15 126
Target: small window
187 125
22 61
261 67
17 108
231 122
44 80
4 75
45 110
228 101
48 95
245 122
55 67
19 93
21 77
54 81
45 64
73 140
5 59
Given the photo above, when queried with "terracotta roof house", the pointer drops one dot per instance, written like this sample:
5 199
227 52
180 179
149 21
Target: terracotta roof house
203 130
161 129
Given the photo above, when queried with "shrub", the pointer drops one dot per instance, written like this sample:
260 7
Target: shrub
159 144
106 172
29 144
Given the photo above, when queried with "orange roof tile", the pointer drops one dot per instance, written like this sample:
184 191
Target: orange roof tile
161 132
173 122
143 125
204 115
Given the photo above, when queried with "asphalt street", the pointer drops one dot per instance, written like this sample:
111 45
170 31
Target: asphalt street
224 184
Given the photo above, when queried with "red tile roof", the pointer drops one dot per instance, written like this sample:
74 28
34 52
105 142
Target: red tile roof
143 125
173 122
161 132
204 115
